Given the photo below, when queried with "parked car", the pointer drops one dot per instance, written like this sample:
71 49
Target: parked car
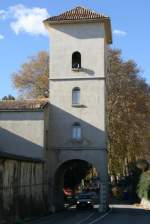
84 201
94 196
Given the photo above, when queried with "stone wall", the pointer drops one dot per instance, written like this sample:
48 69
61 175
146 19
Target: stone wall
22 189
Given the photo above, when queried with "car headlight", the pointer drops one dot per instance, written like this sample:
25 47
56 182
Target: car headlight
78 202
88 202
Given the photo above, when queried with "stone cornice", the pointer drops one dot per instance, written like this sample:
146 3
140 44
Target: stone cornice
74 79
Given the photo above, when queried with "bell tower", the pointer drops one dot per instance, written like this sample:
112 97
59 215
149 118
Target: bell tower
76 128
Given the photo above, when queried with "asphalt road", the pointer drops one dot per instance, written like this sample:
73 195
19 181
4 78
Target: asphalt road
125 215
118 215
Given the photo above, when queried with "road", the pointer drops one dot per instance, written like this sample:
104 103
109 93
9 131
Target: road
119 215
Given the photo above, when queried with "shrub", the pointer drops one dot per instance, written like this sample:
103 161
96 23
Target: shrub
144 186
117 192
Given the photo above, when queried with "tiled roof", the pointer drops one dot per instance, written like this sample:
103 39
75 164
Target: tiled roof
23 104
78 13
82 15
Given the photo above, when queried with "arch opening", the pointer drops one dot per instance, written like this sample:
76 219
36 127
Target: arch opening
74 178
76 60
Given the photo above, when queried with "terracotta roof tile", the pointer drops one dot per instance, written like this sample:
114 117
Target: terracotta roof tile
78 13
23 104
81 15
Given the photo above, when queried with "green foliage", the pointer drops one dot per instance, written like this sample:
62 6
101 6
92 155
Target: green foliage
144 185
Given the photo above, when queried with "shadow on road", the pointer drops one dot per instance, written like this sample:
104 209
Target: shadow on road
129 210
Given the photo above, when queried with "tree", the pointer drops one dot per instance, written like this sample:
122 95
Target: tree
78 171
144 186
128 109
142 164
9 97
75 173
32 79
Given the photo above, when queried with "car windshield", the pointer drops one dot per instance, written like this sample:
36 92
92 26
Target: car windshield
83 197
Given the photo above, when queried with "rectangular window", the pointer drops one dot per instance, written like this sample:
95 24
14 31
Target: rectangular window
76 96
76 133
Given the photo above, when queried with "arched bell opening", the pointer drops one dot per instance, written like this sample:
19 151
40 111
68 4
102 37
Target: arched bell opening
76 60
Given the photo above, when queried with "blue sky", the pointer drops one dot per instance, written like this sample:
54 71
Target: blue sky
22 35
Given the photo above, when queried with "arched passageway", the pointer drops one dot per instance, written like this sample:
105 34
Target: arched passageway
73 177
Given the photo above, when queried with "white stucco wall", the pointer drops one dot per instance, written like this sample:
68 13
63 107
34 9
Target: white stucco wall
89 40
86 38
91 114
22 133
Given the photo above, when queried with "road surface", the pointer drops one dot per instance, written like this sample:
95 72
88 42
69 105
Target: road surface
119 215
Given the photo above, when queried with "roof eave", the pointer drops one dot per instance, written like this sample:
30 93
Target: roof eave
108 31
6 155
66 21
105 20
22 110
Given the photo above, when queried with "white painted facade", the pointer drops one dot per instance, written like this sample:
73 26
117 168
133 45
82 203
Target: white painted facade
90 40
